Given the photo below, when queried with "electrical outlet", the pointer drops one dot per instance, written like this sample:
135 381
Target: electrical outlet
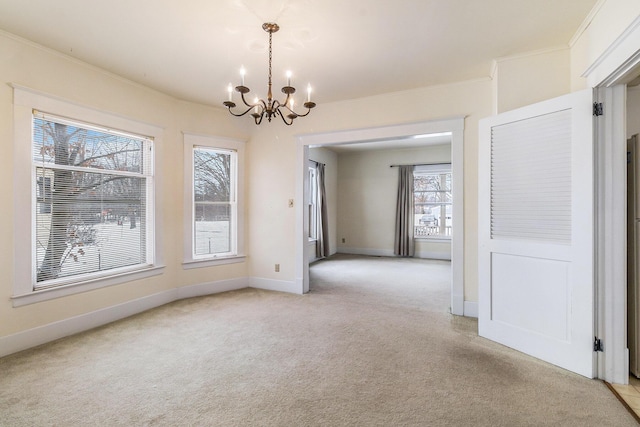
277 268
290 203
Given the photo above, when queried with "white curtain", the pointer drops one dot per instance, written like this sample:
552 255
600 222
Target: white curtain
322 232
404 243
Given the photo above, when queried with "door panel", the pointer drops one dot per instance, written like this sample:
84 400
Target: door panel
535 230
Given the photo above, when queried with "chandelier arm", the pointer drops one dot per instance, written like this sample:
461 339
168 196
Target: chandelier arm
298 115
286 100
241 114
283 118
303 115
245 101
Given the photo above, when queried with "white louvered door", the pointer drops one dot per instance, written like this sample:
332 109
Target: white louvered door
535 231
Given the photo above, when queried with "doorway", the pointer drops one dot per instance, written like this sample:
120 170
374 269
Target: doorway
455 126
610 76
633 224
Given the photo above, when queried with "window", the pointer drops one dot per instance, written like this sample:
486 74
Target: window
93 212
432 201
313 201
213 201
83 204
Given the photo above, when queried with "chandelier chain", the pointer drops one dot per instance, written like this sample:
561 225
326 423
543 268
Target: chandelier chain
269 94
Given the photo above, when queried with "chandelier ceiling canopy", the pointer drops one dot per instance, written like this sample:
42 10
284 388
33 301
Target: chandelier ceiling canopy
271 107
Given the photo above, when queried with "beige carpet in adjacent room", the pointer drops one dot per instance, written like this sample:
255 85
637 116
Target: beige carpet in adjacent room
372 344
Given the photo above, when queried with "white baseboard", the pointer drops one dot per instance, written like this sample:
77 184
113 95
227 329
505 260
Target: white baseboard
457 305
445 256
389 253
73 325
209 288
275 285
471 309
366 251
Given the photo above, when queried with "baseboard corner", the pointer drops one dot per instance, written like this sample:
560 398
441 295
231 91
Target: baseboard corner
471 309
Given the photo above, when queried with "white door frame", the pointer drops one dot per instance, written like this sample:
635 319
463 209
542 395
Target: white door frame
609 75
454 125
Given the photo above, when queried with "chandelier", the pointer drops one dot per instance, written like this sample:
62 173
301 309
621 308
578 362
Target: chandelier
270 108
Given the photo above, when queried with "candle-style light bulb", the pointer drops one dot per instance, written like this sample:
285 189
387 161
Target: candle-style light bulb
255 101
309 92
289 78
291 103
230 90
242 73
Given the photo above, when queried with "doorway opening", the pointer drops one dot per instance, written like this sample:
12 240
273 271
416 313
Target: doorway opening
454 126
610 76
633 225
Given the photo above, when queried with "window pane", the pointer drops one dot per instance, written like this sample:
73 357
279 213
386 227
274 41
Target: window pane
65 144
214 201
212 171
432 200
213 222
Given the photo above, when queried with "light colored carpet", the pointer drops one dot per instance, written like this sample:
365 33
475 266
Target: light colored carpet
372 344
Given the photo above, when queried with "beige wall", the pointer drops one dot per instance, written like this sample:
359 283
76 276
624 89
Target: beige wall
52 73
366 199
526 79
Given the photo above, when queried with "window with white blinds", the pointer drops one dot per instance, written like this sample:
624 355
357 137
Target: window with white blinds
93 200
531 178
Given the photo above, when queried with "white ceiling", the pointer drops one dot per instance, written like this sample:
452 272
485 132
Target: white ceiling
192 49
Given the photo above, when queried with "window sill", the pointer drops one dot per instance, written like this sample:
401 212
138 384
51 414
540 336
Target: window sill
211 262
84 286
434 239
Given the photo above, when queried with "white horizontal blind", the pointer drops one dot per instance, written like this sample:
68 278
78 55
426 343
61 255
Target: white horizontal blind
531 178
92 193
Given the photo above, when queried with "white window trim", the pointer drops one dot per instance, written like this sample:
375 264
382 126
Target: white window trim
436 168
25 100
194 140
